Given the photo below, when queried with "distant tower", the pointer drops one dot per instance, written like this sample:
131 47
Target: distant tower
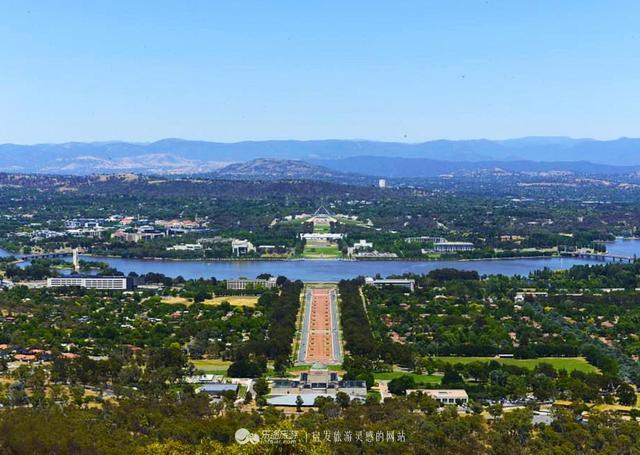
76 260
382 183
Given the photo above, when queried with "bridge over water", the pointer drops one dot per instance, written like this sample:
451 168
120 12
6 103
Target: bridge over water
599 256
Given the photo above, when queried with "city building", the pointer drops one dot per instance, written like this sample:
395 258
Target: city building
452 247
119 283
242 247
143 233
444 396
382 183
178 224
407 283
243 284
86 232
87 223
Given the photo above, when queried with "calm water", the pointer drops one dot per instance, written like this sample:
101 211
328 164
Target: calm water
329 270
332 270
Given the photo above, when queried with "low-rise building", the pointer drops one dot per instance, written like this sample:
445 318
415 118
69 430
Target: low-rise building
178 224
243 284
425 239
452 247
242 247
322 236
380 283
119 283
444 396
362 245
143 233
186 247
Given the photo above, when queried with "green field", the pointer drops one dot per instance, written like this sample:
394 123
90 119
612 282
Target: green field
559 363
212 366
328 251
419 378
321 228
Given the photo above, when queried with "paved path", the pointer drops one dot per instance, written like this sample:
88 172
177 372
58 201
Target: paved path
320 340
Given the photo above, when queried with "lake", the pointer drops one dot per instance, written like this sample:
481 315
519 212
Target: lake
334 270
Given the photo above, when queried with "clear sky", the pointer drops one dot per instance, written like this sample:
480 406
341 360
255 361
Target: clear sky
388 70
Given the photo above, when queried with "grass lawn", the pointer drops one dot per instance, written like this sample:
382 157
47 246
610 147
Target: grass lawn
559 363
234 300
419 378
329 251
212 366
177 300
321 228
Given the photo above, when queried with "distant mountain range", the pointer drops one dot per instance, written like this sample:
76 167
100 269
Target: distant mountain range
423 168
386 159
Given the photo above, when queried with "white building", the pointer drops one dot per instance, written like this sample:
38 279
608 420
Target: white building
242 247
243 284
362 245
452 247
382 183
185 247
119 283
444 396
322 237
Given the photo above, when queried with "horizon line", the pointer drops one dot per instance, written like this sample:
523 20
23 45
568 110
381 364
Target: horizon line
149 142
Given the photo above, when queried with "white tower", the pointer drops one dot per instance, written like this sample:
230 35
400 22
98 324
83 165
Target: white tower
76 260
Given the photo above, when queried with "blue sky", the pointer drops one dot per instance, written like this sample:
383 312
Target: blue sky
403 70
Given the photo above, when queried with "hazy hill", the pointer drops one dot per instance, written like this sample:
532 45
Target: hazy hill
183 156
421 167
272 169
